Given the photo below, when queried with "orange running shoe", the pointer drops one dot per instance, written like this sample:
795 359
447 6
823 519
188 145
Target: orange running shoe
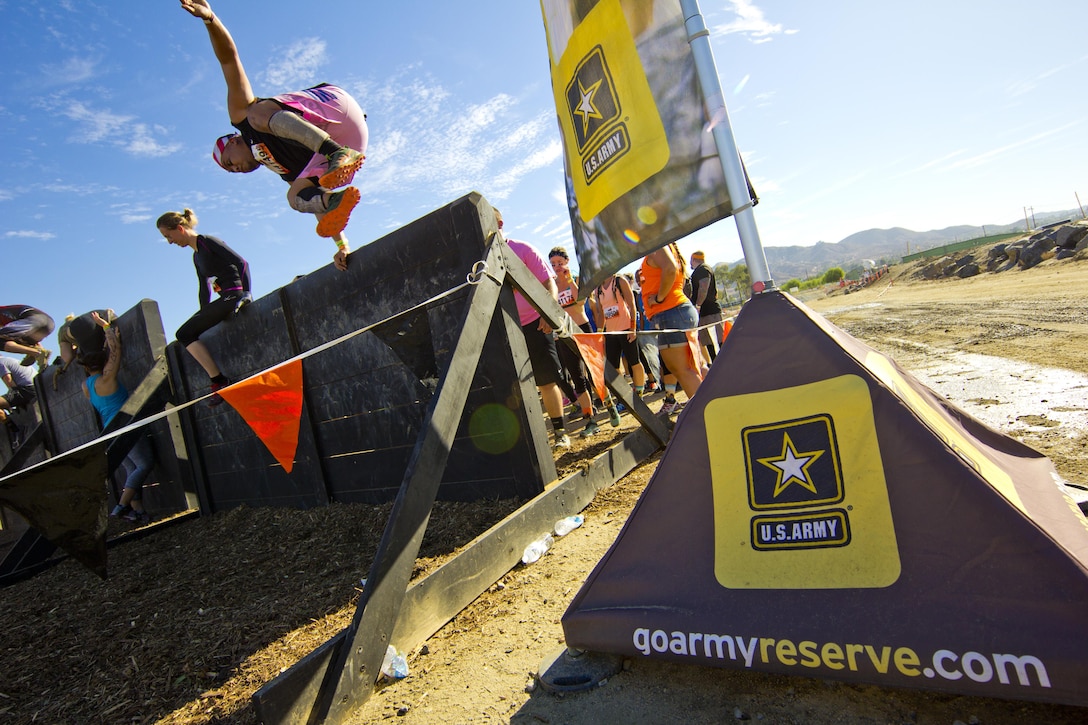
343 163
336 218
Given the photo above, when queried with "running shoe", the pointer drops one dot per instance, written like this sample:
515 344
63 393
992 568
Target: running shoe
614 417
669 407
591 429
217 400
140 518
562 442
342 165
336 218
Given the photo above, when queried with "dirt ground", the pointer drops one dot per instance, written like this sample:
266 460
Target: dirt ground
198 615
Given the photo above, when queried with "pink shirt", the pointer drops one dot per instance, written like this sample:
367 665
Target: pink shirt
541 270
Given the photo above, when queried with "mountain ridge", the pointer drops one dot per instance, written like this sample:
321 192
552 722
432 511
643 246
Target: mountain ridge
882 245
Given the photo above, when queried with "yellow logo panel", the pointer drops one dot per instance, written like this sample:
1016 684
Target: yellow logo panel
611 127
800 499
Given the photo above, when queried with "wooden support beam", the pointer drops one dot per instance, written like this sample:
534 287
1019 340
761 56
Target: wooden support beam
338 679
434 600
355 669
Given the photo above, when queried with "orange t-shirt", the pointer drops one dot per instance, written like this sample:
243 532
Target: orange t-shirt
651 285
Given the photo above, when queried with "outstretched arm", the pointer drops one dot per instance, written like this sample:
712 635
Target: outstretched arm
239 93
107 382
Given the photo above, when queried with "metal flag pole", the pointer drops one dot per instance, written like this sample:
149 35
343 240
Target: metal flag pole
735 181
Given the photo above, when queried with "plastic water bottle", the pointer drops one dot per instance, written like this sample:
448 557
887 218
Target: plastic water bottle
567 525
535 550
394 666
400 667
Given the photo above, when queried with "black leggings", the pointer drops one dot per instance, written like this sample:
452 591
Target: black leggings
208 317
573 364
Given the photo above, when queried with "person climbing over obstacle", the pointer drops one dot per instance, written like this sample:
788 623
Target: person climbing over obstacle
79 335
107 395
22 329
218 268
21 394
315 139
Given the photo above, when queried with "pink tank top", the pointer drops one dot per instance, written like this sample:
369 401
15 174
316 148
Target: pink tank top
617 316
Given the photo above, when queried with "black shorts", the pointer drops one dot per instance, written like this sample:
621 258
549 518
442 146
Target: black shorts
616 345
208 317
21 396
542 354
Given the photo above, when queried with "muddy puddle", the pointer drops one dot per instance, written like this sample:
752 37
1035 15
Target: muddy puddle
1008 395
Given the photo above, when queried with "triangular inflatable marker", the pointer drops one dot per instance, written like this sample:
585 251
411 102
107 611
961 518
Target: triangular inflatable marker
591 345
818 512
271 403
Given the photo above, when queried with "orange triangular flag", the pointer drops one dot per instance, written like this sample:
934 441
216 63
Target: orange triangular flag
271 403
591 345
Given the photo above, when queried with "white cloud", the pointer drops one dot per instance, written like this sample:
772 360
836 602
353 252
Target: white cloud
986 156
931 164
125 132
73 70
749 21
79 189
26 234
296 67
431 141
95 126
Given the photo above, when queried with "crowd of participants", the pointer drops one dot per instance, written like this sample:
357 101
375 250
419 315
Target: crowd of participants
645 316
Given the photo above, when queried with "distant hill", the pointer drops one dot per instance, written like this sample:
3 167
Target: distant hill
881 245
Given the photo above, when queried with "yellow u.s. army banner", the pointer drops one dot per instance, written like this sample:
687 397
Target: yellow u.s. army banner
642 168
819 512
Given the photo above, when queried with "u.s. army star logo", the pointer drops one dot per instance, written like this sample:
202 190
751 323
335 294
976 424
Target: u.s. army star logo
800 499
591 97
793 464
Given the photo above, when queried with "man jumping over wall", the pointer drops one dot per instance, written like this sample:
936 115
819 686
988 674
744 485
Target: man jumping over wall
315 139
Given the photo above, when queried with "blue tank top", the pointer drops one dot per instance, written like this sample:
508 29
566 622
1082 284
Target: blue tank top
108 405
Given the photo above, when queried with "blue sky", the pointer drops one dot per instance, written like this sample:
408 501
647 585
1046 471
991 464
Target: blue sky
850 115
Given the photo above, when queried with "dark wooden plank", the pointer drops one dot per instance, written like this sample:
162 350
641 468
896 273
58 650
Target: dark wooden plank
437 598
354 671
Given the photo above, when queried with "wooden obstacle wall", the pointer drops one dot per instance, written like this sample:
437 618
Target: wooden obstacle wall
364 399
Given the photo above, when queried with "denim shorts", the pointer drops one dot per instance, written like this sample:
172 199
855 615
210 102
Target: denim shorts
681 317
